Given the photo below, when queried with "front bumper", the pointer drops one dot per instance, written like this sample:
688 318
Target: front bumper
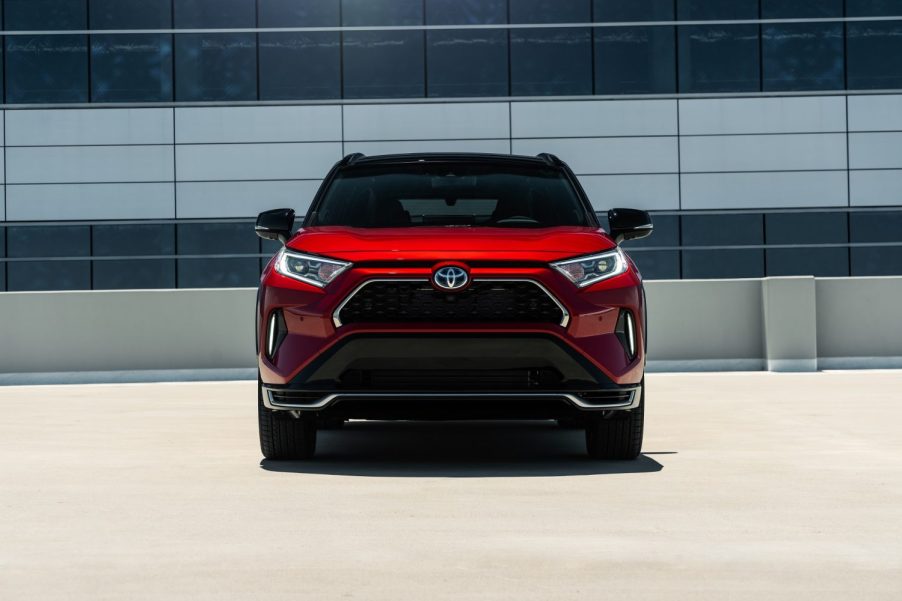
472 404
511 375
314 330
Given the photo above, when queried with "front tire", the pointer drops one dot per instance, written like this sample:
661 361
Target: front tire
618 436
283 436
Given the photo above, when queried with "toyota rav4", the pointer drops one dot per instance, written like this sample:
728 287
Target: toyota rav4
451 286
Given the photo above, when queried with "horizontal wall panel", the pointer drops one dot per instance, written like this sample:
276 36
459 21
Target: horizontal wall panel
426 121
648 192
602 156
74 127
875 151
763 190
258 124
594 118
89 164
90 201
763 153
762 115
256 161
374 148
883 187
875 113
243 199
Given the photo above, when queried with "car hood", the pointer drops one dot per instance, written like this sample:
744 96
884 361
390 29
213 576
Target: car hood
450 243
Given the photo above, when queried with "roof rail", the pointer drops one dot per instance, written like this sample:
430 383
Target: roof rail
550 159
351 158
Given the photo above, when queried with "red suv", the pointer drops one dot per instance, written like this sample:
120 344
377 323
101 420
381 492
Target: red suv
451 286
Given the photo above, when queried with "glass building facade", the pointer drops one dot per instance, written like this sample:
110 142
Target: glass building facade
141 136
111 51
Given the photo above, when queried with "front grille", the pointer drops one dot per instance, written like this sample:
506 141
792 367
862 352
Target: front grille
485 301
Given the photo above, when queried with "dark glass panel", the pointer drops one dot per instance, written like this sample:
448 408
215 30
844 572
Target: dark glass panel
218 273
635 60
384 64
2 254
48 241
873 8
819 262
294 13
216 238
269 247
550 62
211 14
873 261
800 9
723 230
466 12
131 14
44 15
300 65
133 240
874 55
135 274
697 10
49 275
876 226
622 11
131 68
216 66
719 58
803 57
732 263
46 69
360 13
657 264
806 228
467 63
550 11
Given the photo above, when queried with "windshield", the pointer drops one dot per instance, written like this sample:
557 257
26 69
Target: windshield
450 194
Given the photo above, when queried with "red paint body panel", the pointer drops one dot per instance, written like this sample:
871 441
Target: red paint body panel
308 310
450 243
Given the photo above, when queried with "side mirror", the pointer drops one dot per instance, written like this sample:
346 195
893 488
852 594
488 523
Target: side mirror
629 224
275 225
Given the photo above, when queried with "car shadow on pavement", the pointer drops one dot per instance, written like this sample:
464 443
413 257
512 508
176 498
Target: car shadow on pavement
456 449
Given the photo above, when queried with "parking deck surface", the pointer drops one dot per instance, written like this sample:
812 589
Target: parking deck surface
752 486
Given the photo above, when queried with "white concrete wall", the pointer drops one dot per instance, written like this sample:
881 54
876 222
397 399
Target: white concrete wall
782 324
664 154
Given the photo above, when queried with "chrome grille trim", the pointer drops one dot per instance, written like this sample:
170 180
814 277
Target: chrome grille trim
565 315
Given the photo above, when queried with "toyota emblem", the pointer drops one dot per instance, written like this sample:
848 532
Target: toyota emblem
450 277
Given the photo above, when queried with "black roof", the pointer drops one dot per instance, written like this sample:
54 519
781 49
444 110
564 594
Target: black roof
450 157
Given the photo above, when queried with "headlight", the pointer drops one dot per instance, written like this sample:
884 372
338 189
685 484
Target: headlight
588 270
308 268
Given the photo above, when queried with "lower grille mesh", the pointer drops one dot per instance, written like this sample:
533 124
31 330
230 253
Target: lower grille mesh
482 302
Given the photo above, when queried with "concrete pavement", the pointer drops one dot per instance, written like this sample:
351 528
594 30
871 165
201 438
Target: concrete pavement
753 486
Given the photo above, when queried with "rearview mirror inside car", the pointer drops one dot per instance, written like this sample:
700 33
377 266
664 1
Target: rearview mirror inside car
275 224
629 224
